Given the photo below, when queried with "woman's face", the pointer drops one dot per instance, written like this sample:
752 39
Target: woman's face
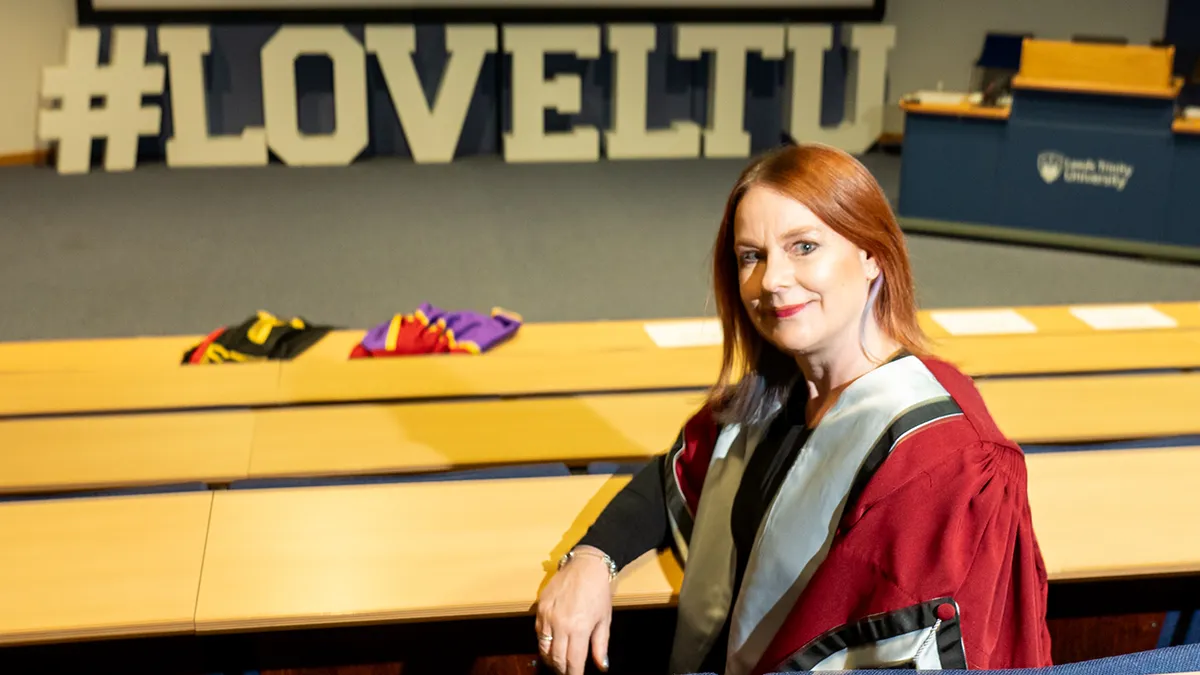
803 285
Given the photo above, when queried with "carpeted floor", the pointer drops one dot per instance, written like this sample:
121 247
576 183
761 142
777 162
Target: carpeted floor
160 251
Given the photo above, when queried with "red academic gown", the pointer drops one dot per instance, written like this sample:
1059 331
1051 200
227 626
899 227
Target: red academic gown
930 561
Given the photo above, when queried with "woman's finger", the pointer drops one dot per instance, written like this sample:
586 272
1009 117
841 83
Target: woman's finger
545 645
600 645
577 653
558 652
544 636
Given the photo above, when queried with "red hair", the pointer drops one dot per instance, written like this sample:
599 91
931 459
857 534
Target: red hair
840 191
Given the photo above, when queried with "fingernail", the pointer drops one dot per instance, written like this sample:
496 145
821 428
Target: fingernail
604 663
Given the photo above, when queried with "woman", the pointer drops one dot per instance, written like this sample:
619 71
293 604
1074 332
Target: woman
842 500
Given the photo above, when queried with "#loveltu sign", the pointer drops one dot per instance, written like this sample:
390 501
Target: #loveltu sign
91 100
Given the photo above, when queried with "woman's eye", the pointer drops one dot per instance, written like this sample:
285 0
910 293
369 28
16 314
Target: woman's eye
748 257
804 247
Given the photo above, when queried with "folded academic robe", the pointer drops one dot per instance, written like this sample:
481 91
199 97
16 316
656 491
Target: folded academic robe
431 330
261 337
901 537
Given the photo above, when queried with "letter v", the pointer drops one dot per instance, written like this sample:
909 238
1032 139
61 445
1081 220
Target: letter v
432 131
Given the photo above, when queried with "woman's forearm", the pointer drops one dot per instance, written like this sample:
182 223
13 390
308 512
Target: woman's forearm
635 521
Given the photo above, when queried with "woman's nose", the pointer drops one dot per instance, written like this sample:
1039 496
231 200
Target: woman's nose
778 275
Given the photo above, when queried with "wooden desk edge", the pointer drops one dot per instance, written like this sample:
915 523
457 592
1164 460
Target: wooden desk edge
31 488
956 110
43 637
350 333
1082 87
1184 125
1153 571
665 598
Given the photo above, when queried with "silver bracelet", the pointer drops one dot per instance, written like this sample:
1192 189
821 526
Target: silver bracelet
612 566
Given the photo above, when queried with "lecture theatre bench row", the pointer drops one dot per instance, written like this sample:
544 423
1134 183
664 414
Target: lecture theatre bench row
48 455
91 376
241 560
597 337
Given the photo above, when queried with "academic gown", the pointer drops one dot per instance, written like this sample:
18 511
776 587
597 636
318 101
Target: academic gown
901 537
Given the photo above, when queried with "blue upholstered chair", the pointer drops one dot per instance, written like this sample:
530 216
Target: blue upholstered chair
1183 659
1002 51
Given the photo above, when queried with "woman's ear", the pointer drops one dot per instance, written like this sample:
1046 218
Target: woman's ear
870 265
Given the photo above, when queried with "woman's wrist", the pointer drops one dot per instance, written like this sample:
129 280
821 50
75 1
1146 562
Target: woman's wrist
587 549
593 554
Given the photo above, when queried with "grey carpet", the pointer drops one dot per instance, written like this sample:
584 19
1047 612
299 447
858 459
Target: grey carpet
160 251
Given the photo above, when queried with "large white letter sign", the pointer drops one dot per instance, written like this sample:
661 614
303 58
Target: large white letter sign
121 117
190 144
349 92
869 47
631 46
432 131
726 135
532 94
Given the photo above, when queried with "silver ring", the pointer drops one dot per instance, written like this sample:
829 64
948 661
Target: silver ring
546 638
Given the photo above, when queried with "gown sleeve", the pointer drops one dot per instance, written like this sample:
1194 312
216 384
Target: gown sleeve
952 542
996 570
635 521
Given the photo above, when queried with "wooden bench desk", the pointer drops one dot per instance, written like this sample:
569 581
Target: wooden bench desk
1094 408
33 356
93 568
989 355
1116 513
79 453
402 438
534 339
360 439
95 391
100 568
321 556
362 554
420 437
510 374
507 375
151 352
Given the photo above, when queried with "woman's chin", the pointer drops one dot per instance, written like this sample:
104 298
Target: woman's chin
793 341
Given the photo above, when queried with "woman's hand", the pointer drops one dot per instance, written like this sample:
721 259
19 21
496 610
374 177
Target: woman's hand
575 610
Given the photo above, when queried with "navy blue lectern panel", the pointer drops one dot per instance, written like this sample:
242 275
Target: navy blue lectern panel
1074 163
1086 164
1183 218
1079 181
949 169
1093 111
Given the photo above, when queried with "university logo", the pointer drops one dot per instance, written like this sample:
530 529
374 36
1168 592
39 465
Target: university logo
1104 173
1050 165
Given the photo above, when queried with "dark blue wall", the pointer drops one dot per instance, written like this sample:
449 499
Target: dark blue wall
1183 31
1183 23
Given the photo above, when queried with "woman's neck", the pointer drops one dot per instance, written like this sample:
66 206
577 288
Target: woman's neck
829 372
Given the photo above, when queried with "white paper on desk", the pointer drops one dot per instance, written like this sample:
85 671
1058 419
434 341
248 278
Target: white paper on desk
684 333
1122 317
941 97
983 322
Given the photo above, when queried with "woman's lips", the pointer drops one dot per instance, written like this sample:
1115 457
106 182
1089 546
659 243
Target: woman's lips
788 310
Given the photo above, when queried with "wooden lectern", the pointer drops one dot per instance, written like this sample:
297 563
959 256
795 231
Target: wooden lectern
1121 70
